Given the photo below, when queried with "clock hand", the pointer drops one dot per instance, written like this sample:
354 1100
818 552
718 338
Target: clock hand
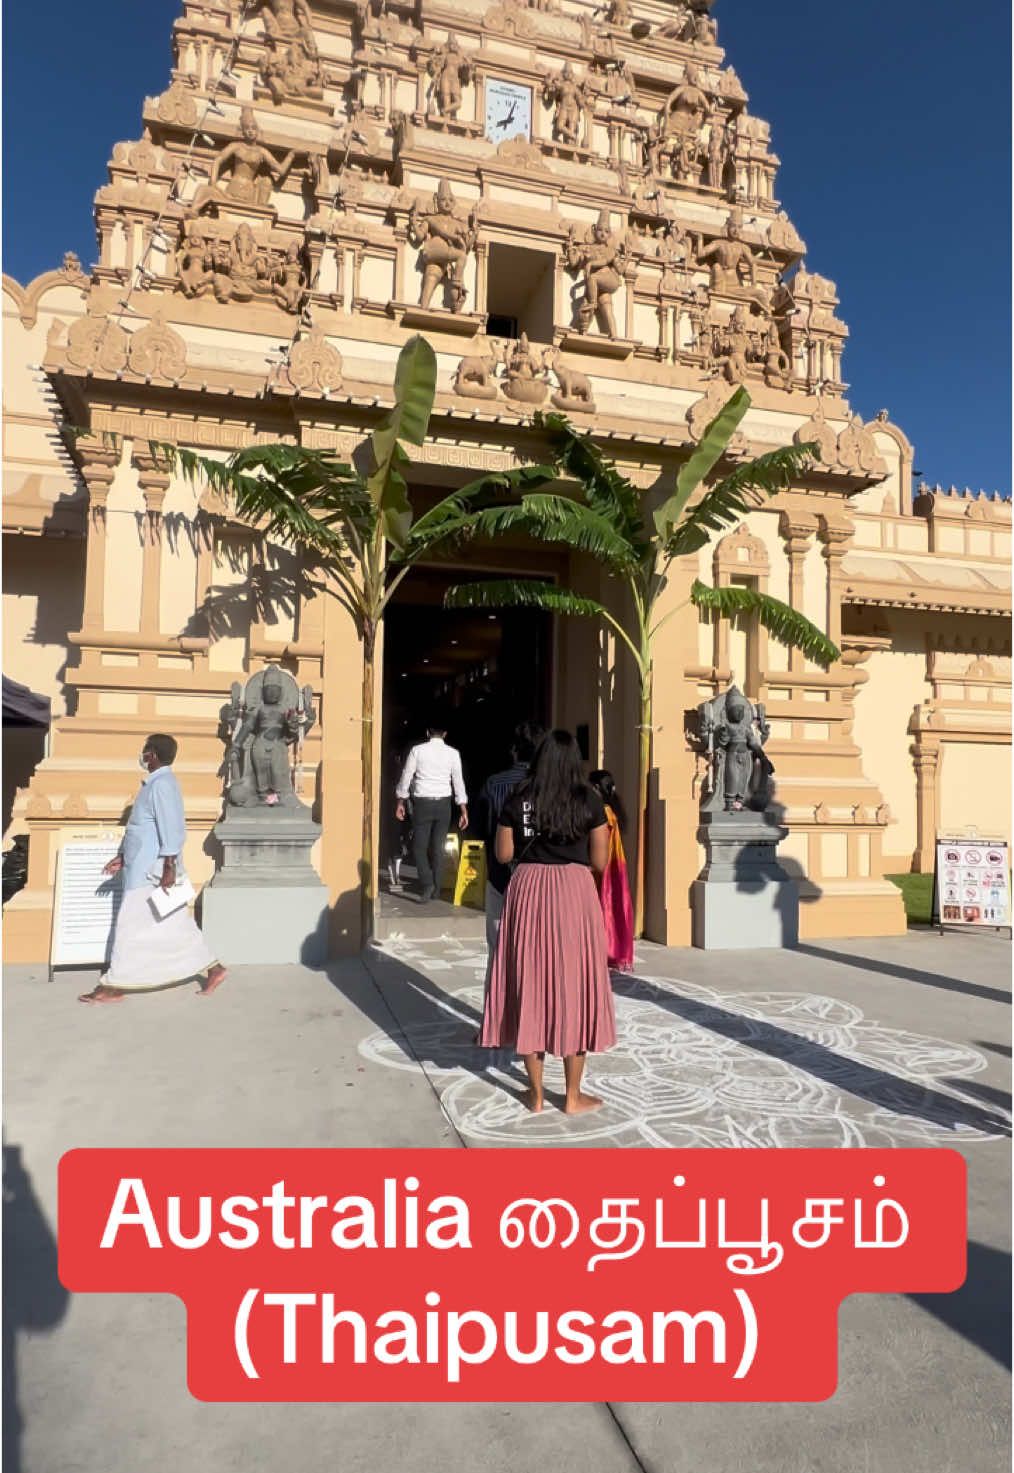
505 122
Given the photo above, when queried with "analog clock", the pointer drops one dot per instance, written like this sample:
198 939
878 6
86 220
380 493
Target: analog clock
508 110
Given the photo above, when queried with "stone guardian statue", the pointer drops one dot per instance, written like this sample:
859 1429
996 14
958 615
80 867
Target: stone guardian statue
733 731
270 716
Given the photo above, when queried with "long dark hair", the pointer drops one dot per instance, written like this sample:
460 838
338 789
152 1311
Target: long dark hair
602 781
556 789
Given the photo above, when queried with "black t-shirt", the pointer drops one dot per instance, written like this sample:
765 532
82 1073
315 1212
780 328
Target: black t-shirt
532 848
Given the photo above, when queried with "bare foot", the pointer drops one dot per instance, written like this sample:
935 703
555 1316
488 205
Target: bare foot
101 994
582 1104
216 976
532 1100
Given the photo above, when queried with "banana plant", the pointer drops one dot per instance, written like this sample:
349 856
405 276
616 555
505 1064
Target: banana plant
356 530
607 520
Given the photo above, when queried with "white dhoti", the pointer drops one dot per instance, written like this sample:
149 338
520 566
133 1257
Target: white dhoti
150 951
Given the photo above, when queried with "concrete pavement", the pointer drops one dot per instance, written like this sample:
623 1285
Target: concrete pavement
902 1042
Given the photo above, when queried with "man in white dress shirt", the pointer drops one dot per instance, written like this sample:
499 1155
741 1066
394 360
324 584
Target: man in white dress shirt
433 779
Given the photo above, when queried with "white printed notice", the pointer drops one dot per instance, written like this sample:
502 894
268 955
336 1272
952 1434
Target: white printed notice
972 883
86 900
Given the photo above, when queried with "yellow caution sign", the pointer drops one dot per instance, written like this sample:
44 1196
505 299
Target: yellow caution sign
452 851
471 887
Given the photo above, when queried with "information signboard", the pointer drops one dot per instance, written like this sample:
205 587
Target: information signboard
86 901
971 882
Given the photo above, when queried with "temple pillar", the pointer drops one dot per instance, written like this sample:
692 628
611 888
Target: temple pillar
836 535
98 463
797 530
154 483
926 759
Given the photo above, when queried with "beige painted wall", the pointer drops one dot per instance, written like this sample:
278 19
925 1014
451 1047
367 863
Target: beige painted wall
43 589
975 788
884 707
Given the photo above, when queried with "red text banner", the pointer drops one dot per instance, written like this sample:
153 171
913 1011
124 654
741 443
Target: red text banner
513 1275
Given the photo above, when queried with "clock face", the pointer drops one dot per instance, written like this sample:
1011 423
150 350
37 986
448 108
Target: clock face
508 110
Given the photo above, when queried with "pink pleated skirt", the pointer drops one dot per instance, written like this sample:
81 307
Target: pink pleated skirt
549 986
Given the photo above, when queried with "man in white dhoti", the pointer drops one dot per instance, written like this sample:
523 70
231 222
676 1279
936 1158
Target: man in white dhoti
152 951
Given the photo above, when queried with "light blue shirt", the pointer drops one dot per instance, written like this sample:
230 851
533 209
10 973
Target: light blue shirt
156 828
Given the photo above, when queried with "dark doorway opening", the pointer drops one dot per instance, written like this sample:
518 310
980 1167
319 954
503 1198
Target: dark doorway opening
484 671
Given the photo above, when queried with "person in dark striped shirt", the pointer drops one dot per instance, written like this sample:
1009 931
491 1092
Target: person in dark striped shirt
494 795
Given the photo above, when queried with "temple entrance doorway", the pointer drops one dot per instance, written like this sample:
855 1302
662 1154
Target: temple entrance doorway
483 671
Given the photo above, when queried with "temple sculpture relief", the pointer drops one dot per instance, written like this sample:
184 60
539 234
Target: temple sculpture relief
686 106
237 266
252 170
294 70
572 98
525 373
475 375
445 234
450 70
575 391
600 254
732 260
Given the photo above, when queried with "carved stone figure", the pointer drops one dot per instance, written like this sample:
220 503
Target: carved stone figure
731 259
575 391
285 20
474 377
525 378
195 264
618 13
290 280
777 363
601 256
718 152
687 158
732 732
268 718
732 347
294 70
450 70
253 172
249 268
571 98
686 105
445 234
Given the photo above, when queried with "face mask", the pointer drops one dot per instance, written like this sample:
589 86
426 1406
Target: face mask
142 763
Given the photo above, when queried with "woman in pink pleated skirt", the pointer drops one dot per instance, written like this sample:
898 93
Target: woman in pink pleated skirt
549 986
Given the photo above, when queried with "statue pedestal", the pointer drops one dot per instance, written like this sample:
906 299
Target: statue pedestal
266 904
743 899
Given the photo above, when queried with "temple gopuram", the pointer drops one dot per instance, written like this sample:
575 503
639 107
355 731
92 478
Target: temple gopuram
577 208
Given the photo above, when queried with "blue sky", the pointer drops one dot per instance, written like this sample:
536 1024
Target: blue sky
891 121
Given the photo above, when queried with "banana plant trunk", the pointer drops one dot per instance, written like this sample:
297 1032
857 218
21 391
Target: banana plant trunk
643 770
367 863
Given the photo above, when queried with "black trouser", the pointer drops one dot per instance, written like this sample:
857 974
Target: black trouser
431 819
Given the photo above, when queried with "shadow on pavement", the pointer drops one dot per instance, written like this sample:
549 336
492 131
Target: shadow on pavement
34 1299
905 974
442 1028
980 1310
850 1075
